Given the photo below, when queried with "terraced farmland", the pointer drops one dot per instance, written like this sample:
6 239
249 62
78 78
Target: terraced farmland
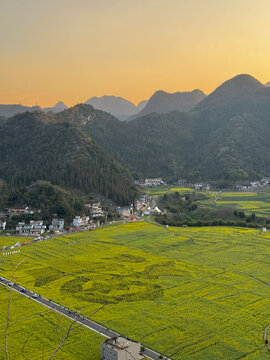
193 293
258 203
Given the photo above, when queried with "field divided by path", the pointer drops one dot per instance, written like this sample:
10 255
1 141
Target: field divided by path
201 292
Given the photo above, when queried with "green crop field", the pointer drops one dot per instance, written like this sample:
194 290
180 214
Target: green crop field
193 293
35 332
258 203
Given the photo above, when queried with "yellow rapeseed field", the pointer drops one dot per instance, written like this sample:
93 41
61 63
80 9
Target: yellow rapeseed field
192 293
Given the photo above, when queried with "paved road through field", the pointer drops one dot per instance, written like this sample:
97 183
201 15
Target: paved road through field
72 315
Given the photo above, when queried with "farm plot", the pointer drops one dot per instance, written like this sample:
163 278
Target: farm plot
191 293
35 332
12 240
258 203
161 190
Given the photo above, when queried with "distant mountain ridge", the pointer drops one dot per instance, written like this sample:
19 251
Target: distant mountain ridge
60 106
224 138
121 108
162 102
14 109
8 111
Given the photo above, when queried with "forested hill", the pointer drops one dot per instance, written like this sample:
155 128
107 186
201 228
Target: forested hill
224 138
34 146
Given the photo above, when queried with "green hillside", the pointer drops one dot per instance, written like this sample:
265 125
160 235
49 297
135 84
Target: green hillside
34 146
224 138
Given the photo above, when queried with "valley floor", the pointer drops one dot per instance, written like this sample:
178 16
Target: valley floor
191 293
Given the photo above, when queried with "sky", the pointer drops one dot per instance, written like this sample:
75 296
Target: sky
71 50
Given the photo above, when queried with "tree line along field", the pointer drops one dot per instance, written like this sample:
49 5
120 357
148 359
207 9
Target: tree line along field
35 332
191 293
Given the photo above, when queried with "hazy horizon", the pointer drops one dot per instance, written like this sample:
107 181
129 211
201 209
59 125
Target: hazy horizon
70 51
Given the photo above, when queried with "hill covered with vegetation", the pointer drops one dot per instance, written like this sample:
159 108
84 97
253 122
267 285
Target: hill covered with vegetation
50 200
34 146
223 139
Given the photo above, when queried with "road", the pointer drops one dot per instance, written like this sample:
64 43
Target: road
265 337
72 315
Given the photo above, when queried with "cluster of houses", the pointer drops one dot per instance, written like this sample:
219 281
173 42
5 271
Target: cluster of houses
33 228
151 182
37 227
92 220
84 222
154 182
254 185
197 186
144 206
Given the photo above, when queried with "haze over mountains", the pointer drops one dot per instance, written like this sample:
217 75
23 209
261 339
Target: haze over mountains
7 111
223 138
121 108
60 106
162 102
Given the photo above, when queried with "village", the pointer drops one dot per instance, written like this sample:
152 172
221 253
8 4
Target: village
97 215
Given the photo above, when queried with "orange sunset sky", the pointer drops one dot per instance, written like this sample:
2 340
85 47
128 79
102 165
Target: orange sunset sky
71 50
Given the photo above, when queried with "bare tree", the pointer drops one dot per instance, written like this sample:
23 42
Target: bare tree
64 338
8 308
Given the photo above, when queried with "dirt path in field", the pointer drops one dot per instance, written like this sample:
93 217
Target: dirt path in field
265 337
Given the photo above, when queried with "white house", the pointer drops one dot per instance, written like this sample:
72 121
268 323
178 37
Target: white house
57 224
34 228
79 221
96 211
125 211
3 225
154 182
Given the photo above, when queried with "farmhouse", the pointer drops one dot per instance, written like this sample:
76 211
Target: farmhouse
154 182
96 211
34 228
79 221
265 180
182 182
202 186
125 211
120 349
2 225
57 224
